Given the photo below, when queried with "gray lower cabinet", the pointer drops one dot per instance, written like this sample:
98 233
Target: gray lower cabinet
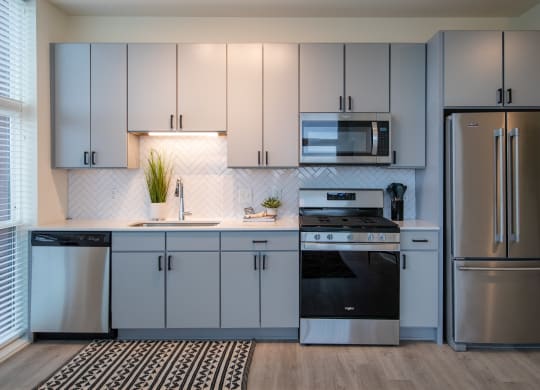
259 289
408 104
192 290
138 290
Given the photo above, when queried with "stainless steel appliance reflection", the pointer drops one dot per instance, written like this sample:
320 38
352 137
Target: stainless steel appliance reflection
493 228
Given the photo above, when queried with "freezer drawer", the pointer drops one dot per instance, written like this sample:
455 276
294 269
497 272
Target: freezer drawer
497 302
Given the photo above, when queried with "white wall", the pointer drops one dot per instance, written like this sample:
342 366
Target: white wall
176 29
52 184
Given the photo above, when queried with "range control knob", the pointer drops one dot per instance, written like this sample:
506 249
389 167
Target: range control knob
370 236
382 237
349 237
330 237
317 236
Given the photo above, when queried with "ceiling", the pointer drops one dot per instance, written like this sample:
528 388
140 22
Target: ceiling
297 8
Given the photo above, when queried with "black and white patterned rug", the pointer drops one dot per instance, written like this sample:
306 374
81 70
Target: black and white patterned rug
200 365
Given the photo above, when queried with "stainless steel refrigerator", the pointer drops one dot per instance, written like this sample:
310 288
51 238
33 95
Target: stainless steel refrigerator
492 232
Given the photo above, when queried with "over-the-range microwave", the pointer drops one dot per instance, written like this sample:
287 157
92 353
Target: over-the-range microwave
345 138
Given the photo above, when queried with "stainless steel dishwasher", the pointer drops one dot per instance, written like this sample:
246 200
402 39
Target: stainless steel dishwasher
70 282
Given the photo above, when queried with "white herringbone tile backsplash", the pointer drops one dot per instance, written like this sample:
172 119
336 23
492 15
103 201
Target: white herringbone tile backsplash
211 189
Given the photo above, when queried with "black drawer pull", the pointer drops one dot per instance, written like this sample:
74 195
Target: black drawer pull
85 156
160 268
260 241
509 95
169 258
404 264
264 262
255 262
172 118
420 240
499 96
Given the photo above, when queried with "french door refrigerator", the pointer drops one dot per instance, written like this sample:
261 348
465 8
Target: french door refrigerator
493 228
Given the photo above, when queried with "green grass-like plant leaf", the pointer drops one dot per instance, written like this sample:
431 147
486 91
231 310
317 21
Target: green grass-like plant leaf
158 173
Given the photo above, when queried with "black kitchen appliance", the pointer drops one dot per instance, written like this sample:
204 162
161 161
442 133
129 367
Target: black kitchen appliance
349 268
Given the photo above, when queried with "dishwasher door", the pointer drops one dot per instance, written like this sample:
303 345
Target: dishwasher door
70 289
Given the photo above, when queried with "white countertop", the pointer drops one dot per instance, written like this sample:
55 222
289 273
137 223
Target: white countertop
281 224
416 224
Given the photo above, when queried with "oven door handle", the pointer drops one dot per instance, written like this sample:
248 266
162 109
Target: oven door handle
317 246
375 138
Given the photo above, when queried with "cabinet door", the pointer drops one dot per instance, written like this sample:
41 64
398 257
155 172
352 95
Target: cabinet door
367 77
521 76
108 105
321 77
151 86
472 68
418 289
408 105
138 290
240 290
192 290
71 104
202 85
279 289
244 105
280 120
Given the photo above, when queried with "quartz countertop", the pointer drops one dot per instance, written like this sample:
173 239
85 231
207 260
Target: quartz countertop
281 224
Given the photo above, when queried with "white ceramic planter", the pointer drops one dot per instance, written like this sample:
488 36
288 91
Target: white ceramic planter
158 211
271 211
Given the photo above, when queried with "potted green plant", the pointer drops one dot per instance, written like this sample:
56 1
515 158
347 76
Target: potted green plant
271 204
158 174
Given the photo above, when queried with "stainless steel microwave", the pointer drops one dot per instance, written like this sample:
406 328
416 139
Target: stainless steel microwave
345 138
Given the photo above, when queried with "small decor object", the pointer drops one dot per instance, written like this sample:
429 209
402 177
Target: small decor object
271 204
158 173
396 191
118 365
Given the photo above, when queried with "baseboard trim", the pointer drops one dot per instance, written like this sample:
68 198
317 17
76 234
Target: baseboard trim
12 348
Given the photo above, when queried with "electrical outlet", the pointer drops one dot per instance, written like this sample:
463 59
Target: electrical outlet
114 190
245 196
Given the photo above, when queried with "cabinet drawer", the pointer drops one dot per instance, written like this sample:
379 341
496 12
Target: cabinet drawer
249 241
139 241
193 241
419 240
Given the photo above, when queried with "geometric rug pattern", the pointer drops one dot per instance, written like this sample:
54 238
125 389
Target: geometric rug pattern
115 365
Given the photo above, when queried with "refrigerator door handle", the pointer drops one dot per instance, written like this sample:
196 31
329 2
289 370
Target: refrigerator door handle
514 208
499 269
498 206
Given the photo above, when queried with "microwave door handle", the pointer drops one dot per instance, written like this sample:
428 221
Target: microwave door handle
375 138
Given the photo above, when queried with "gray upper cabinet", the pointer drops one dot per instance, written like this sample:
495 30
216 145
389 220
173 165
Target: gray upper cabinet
192 290
367 77
202 87
151 87
521 75
408 104
321 77
262 104
70 88
474 75
472 68
344 78
90 107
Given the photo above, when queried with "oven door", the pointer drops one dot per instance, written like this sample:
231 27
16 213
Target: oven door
350 284
343 139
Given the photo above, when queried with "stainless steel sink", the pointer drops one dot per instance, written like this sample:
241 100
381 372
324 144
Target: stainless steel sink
175 223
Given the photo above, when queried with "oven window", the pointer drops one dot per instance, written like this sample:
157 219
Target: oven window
341 284
336 138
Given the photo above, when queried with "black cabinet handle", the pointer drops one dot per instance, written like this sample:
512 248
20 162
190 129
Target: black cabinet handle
180 125
259 157
499 96
404 264
350 103
93 158
172 118
341 103
509 95
264 262
85 158
159 267
255 262
420 240
260 241
169 267
266 156
394 157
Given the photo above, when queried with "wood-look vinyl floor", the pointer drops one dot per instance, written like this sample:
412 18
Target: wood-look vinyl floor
290 366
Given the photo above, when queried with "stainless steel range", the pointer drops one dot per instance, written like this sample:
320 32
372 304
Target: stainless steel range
349 268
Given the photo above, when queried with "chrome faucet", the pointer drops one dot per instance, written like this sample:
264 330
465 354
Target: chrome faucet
179 193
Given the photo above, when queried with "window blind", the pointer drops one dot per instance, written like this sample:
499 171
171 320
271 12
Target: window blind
17 166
